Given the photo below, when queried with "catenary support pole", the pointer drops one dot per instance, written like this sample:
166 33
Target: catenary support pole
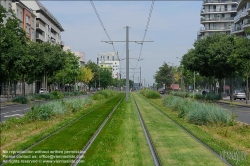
127 63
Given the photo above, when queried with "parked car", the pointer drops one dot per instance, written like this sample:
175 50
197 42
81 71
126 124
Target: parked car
238 94
43 90
161 91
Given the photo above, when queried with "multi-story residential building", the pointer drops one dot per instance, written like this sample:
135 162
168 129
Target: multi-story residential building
81 56
6 4
217 16
110 60
27 17
241 21
48 28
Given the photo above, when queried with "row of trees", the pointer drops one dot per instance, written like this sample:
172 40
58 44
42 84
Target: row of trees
26 61
215 57
219 56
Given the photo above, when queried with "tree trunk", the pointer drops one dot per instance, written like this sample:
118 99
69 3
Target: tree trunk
220 88
231 88
247 91
23 84
209 83
8 92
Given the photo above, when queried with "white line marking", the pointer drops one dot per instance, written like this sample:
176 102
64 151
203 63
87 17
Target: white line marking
13 115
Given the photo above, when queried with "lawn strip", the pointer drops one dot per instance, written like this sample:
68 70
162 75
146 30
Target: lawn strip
174 146
231 142
121 142
72 138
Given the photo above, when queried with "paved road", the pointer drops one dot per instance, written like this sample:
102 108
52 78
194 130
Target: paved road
17 110
242 113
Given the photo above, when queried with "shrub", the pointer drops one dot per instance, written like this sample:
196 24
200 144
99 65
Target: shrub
20 99
151 94
198 113
56 95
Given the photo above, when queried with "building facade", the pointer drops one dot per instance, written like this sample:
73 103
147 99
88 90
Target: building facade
216 17
110 60
82 58
241 21
48 29
27 17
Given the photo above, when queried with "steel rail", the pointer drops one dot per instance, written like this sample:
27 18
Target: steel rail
190 134
153 151
48 136
92 139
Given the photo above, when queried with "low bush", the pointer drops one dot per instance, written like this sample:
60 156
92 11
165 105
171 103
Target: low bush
20 99
208 96
198 113
151 94
56 95
103 94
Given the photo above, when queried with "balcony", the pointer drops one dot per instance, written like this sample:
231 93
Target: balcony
39 37
218 19
236 28
240 15
219 1
221 10
215 29
40 27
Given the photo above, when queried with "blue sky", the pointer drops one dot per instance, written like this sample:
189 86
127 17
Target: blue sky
173 28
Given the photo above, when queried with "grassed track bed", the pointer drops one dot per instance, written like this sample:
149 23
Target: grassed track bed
174 146
121 142
64 146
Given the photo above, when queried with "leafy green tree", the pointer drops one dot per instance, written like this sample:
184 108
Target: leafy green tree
70 70
95 70
240 58
12 46
105 78
164 75
219 54
85 75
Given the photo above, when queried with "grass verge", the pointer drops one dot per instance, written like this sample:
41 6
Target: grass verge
62 147
174 146
121 142
230 142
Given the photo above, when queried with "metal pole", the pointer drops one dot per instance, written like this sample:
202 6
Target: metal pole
127 63
140 78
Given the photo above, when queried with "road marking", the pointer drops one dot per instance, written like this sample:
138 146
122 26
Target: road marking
13 115
4 113
16 110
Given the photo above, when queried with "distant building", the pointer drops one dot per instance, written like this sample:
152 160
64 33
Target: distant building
216 17
110 60
82 59
241 21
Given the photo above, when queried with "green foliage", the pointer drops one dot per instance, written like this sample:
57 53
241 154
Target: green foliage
164 75
197 112
151 94
56 95
103 94
208 96
20 99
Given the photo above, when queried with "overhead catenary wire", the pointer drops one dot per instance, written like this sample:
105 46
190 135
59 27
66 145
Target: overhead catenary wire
100 20
146 30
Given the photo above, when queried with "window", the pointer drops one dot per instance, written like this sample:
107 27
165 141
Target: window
27 19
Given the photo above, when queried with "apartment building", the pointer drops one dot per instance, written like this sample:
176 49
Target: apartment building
110 60
27 17
82 58
241 21
216 17
48 28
